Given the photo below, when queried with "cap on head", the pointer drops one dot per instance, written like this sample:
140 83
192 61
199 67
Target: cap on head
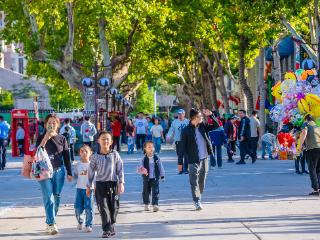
180 111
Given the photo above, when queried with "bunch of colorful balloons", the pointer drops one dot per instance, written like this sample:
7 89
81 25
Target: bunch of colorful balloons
297 95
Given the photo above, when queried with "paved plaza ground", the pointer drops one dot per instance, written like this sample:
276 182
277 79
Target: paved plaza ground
266 200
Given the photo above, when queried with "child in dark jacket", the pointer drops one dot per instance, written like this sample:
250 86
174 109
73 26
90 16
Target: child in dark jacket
152 170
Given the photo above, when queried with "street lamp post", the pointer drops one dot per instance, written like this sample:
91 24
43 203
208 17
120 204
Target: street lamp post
103 82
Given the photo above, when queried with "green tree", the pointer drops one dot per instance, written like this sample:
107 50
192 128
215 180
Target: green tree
144 100
6 100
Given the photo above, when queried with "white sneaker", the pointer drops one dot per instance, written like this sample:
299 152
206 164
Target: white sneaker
198 206
88 229
80 226
52 229
147 207
156 208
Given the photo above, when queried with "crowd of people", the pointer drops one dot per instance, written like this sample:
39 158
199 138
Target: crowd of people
198 143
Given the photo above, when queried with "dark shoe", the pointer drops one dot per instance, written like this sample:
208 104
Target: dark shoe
298 172
181 172
314 193
240 162
230 161
305 171
106 234
263 158
254 160
186 172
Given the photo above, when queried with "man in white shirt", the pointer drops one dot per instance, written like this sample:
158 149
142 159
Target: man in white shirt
175 132
255 131
141 127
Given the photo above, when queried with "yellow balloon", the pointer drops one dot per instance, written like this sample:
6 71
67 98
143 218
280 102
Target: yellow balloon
276 91
290 75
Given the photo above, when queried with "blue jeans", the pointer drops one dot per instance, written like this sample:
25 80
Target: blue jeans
268 146
157 144
218 150
84 203
51 189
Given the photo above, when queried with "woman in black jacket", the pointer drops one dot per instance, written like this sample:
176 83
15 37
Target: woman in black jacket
197 148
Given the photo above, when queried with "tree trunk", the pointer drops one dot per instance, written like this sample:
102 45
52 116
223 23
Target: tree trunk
262 90
222 87
214 97
242 80
206 85
276 70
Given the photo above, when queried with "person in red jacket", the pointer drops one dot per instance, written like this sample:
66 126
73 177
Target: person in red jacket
116 132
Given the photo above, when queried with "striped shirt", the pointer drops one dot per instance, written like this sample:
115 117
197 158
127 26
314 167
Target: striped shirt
107 167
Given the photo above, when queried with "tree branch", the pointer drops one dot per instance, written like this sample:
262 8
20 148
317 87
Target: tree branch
33 23
68 50
104 45
308 49
128 47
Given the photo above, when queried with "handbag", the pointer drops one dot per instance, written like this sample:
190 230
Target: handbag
27 165
41 168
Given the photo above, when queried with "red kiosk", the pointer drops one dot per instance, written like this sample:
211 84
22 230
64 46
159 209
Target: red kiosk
30 126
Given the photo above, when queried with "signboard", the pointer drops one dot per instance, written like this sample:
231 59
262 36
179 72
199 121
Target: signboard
90 92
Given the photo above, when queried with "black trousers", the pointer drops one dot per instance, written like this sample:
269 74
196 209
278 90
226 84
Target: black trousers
181 159
108 203
3 154
300 160
254 145
21 145
244 150
116 141
313 159
231 149
150 188
71 150
140 138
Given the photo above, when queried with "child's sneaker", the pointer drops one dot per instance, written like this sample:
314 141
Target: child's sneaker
155 208
147 207
80 226
88 229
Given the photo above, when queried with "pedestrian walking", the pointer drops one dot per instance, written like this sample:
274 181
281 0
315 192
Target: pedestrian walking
83 203
116 132
88 131
20 135
175 132
150 124
130 133
164 122
230 129
57 148
244 135
106 167
152 171
70 134
157 135
217 138
141 126
197 147
255 131
4 135
310 136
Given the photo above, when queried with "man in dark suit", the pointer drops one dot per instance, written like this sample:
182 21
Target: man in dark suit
244 135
